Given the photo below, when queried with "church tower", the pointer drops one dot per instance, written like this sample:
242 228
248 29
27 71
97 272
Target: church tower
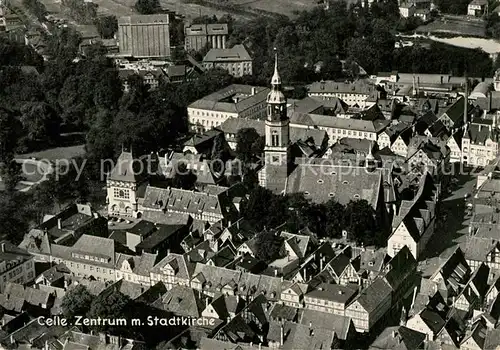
277 148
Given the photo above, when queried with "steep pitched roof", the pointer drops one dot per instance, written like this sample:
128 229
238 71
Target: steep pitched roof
371 297
399 338
124 169
322 182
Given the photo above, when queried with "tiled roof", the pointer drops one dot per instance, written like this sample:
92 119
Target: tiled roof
233 125
144 19
373 295
236 53
330 86
319 120
322 182
182 300
204 29
399 338
218 101
417 213
141 265
333 292
124 168
456 111
339 324
184 268
478 134
178 200
299 336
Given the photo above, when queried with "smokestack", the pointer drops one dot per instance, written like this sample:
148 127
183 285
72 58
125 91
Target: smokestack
59 224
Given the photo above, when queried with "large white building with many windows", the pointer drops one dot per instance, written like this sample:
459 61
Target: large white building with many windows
234 101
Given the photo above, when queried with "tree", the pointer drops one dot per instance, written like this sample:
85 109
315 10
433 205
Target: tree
9 134
40 122
11 174
359 222
269 246
257 209
107 26
109 305
334 215
183 178
148 7
246 145
332 69
76 302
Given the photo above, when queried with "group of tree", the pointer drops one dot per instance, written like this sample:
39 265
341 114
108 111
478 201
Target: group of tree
454 7
81 11
357 218
36 7
312 44
147 7
442 58
107 26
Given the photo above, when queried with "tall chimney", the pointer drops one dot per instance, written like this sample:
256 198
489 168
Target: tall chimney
59 224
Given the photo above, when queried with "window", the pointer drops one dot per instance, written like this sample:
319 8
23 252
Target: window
275 140
121 193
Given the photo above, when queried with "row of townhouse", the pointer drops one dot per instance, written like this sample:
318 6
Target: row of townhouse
338 128
96 257
413 224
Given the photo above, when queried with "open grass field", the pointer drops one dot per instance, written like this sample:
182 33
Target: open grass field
54 154
455 25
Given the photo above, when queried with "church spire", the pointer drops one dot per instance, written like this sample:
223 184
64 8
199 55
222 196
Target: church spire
276 79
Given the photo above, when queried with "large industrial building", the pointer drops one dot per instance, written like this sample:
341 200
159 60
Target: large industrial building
144 36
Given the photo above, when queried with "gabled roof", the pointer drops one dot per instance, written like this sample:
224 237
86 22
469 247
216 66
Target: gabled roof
456 111
237 53
372 296
319 120
399 338
250 96
402 267
124 169
182 300
322 182
339 324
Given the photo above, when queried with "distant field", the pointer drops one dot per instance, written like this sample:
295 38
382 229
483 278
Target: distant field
57 153
455 25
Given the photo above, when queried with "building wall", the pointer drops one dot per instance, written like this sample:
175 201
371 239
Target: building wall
399 147
122 198
348 97
145 39
477 154
202 120
87 269
22 273
400 238
324 305
235 68
335 134
418 325
198 42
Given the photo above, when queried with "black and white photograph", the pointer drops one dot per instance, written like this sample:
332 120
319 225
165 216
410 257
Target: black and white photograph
250 174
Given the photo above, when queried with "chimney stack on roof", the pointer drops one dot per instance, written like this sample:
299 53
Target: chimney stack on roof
59 223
